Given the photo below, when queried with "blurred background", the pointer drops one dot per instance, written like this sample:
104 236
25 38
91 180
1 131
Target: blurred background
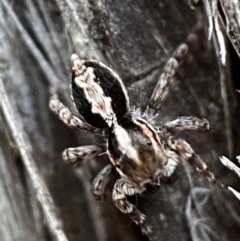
41 197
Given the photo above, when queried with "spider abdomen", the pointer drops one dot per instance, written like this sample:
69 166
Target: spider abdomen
98 93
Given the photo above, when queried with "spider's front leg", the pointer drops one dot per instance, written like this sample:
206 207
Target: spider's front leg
73 155
187 123
166 78
120 191
181 124
100 182
185 151
69 119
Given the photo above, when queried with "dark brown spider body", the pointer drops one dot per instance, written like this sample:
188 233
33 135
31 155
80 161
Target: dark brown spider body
133 145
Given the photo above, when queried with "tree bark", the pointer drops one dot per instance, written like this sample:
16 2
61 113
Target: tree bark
42 198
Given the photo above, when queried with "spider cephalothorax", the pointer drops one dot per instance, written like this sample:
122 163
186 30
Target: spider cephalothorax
135 149
138 151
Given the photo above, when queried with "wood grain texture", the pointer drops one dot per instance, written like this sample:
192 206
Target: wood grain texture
136 38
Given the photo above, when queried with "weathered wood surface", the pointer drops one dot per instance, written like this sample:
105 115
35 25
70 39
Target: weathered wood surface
41 198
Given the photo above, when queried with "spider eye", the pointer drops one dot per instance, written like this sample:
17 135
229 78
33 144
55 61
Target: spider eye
118 164
149 143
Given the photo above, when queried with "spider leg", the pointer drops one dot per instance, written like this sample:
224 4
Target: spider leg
100 182
70 120
166 78
75 154
187 123
120 191
186 153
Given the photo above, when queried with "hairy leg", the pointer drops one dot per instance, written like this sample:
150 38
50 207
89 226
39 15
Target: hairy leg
186 153
120 191
187 123
100 182
70 120
75 154
166 78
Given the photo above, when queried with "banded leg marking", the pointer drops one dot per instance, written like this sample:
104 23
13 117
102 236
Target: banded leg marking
161 90
120 191
186 152
187 123
75 154
100 182
70 120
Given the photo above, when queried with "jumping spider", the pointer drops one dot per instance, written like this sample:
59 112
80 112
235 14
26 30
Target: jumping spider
139 151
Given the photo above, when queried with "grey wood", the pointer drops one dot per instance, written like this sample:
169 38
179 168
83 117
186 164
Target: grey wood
42 198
